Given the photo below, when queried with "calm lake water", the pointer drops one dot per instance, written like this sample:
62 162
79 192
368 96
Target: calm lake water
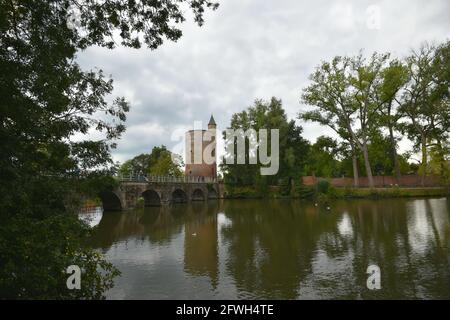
279 249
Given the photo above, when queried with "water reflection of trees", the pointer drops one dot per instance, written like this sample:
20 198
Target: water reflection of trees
155 224
291 249
201 245
271 245
280 249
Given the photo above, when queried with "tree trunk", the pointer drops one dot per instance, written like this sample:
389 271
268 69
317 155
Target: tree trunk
394 155
424 160
443 173
355 166
367 164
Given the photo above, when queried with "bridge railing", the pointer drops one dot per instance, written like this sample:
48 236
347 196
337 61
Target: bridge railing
165 179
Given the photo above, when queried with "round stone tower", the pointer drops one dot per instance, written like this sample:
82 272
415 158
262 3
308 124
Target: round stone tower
201 158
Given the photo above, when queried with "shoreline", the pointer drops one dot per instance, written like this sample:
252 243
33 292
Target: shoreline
356 193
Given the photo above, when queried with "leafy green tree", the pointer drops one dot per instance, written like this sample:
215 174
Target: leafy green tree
441 96
159 162
167 165
356 97
138 165
425 100
388 88
380 146
293 147
46 100
164 162
322 158
328 92
363 77
440 161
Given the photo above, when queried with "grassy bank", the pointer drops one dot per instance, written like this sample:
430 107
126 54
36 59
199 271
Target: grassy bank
395 192
337 193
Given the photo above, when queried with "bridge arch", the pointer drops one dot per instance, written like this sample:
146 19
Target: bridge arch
198 195
212 193
151 198
110 201
179 196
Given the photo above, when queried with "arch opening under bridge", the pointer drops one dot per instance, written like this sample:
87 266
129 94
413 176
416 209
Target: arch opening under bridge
198 195
151 198
179 196
212 194
110 201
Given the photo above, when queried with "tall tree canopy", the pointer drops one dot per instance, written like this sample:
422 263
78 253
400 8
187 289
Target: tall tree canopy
159 162
322 159
328 92
388 87
425 101
292 146
342 91
46 100
357 96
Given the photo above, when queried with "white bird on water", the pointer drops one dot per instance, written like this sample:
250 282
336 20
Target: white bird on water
194 234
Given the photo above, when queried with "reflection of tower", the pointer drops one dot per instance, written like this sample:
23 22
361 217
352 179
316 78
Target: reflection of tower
201 256
201 156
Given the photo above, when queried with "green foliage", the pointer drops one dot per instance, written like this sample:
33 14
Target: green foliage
305 192
140 203
262 186
440 161
323 186
425 102
35 254
322 158
380 150
46 100
324 191
158 162
393 192
285 186
293 148
92 202
165 166
322 198
139 164
241 192
342 92
358 97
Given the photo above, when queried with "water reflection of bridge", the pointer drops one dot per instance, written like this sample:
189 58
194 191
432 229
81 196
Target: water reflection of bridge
160 225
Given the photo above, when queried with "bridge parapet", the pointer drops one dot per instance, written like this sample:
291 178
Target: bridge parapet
164 179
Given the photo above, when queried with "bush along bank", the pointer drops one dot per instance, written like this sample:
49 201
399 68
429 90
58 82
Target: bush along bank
323 191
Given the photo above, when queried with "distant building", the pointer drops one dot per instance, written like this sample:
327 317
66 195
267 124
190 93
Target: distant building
206 141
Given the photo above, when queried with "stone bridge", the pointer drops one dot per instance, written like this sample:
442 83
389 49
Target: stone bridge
157 192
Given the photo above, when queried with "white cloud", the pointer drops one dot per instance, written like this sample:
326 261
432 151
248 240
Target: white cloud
252 49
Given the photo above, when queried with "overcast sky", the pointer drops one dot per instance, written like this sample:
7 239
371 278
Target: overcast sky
251 49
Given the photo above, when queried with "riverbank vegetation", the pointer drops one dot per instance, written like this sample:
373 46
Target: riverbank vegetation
47 100
312 193
370 103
